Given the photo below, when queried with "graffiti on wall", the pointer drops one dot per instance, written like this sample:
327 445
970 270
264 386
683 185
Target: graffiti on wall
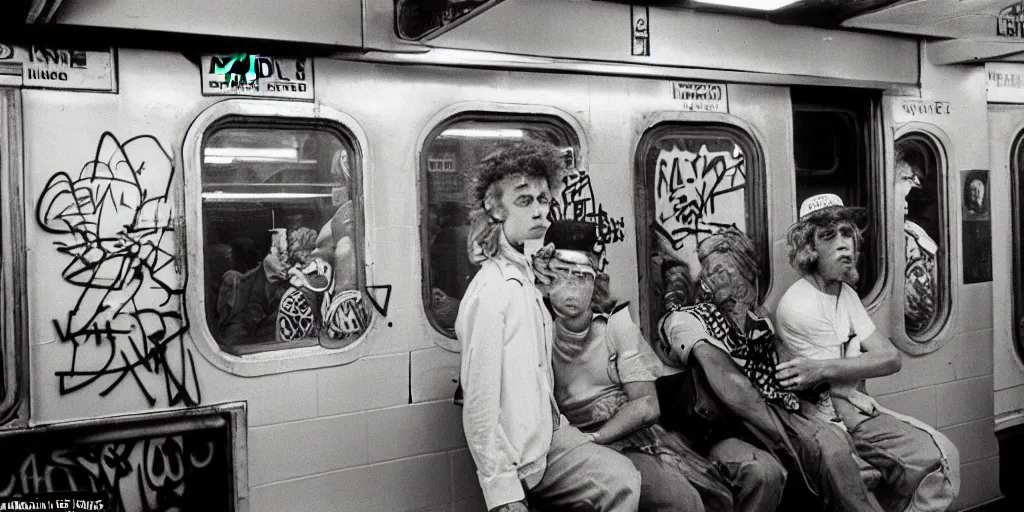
187 471
115 221
577 202
698 193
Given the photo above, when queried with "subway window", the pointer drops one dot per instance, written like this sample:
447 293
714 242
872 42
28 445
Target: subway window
837 150
282 235
449 160
920 196
1017 183
697 179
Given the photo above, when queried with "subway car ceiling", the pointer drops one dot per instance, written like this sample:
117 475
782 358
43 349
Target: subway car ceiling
661 33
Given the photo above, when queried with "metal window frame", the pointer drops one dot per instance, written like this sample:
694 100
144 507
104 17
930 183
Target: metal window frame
758 229
308 115
14 404
473 111
932 338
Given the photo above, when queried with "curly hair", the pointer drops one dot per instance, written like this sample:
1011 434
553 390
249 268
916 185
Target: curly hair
800 238
528 158
735 242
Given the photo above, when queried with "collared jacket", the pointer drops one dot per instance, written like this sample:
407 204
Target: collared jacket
508 416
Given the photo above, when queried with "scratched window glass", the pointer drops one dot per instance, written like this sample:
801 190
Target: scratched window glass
449 161
281 237
699 179
919 197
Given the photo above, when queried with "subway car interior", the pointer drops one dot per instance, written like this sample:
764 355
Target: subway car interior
239 239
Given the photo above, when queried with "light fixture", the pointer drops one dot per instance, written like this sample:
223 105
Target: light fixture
230 155
761 5
483 133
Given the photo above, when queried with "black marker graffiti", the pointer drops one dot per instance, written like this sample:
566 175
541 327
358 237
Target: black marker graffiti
117 223
371 293
578 203
687 186
176 472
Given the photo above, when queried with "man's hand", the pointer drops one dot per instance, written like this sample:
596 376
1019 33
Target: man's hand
516 506
801 373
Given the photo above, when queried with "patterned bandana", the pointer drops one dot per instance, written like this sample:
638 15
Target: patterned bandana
756 348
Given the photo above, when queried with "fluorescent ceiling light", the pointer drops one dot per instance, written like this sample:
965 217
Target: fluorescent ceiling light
761 5
483 133
248 153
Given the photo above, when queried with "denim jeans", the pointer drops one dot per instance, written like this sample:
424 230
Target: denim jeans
584 476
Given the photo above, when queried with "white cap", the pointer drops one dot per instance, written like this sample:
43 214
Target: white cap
819 202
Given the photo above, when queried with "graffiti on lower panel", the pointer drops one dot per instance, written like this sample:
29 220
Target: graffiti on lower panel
577 202
187 471
114 219
698 193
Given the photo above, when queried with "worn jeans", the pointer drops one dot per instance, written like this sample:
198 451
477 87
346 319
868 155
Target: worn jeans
584 476
755 477
920 467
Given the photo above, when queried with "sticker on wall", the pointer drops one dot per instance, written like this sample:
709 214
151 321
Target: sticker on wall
700 96
49 67
976 226
641 41
248 74
914 109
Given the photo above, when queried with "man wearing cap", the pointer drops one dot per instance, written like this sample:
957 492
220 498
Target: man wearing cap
604 378
826 338
522 446
714 340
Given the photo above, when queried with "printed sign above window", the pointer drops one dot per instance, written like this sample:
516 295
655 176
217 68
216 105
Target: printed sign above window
247 74
701 97
47 67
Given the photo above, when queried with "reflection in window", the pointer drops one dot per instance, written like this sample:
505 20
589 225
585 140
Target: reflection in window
417 18
698 180
918 196
449 163
833 145
281 237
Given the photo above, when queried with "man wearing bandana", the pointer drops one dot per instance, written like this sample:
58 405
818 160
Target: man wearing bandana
723 343
522 446
829 342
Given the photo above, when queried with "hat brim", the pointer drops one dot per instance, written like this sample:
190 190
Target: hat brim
856 214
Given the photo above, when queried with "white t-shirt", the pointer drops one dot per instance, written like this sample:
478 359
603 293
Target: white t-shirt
816 325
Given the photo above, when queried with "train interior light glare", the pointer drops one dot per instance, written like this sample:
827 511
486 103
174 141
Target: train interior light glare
761 5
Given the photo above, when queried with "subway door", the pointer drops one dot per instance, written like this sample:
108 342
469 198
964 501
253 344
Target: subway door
1006 145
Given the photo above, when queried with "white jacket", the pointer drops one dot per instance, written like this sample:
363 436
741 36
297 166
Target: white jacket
508 413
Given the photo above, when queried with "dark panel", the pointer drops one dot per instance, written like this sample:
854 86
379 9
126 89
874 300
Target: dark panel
178 463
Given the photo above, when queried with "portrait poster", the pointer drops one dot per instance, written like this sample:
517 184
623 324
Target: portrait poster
976 227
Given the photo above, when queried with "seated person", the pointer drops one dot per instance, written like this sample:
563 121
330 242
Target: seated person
604 382
827 338
724 340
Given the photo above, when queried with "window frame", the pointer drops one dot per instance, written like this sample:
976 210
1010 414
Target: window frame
935 336
14 403
874 159
307 115
1017 223
463 111
759 218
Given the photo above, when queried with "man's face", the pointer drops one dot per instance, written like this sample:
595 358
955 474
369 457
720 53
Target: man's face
527 201
977 193
573 288
721 273
906 181
837 256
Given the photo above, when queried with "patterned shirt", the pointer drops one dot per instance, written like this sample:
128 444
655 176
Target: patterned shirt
753 350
